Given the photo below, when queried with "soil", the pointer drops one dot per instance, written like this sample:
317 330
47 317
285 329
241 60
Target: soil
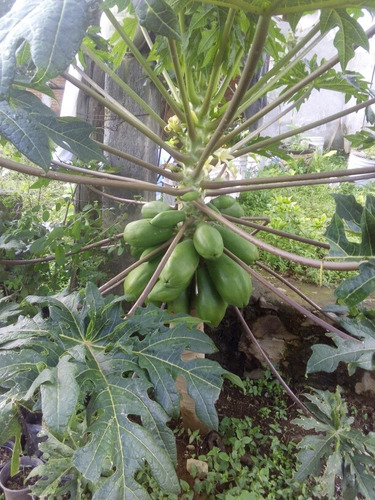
18 481
233 403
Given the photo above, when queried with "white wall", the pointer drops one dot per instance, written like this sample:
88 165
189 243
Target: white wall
326 102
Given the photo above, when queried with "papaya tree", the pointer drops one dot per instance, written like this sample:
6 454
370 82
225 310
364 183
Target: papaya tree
198 255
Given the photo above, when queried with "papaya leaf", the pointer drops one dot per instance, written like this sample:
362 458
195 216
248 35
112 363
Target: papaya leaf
41 123
158 17
59 396
351 216
355 354
82 358
57 474
348 209
340 246
349 34
44 24
25 133
354 290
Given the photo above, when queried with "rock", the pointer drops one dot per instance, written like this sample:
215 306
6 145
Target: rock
273 337
201 468
367 384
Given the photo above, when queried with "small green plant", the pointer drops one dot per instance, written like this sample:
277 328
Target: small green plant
336 453
256 465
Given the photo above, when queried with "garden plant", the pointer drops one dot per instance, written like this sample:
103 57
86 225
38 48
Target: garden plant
105 384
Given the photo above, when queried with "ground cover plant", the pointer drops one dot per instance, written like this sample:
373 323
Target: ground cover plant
198 255
304 211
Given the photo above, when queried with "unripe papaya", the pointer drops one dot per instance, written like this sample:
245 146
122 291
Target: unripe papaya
181 265
146 251
231 281
190 196
141 233
182 303
152 208
234 210
209 304
136 281
169 218
223 201
136 251
238 245
208 241
164 293
210 205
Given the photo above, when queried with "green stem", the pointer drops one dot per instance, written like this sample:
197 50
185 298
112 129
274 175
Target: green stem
182 88
309 79
216 67
89 180
304 261
281 68
123 85
249 334
225 84
18 262
143 62
300 130
190 85
263 181
278 232
165 73
248 72
350 177
110 103
235 151
293 303
119 278
144 164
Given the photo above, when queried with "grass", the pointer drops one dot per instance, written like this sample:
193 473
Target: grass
305 211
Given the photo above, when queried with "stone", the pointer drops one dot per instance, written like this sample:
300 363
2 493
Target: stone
201 468
366 385
273 337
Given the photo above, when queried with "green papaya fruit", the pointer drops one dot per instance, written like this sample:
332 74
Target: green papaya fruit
141 233
223 201
182 303
190 196
146 251
234 210
238 245
208 303
181 265
164 293
208 241
169 218
231 281
152 208
136 251
136 281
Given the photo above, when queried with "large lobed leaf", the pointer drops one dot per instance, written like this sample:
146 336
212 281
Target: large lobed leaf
273 7
351 219
82 351
43 25
355 354
34 47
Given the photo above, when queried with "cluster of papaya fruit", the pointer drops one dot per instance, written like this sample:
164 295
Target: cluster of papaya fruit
198 274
